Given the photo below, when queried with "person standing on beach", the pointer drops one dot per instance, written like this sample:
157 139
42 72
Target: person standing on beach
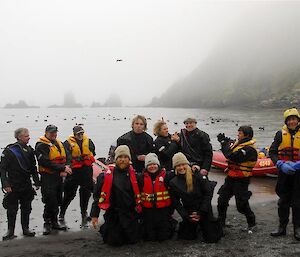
195 145
51 156
241 157
139 142
80 152
165 145
17 166
117 192
285 153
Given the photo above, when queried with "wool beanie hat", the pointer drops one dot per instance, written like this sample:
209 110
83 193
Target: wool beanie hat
179 158
151 158
122 150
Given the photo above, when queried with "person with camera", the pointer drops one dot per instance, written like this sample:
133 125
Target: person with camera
241 157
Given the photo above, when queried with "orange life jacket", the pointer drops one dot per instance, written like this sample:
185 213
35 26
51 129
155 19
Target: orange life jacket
55 155
80 157
288 150
155 193
241 169
104 200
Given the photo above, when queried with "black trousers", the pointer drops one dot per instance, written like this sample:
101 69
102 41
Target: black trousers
82 177
120 227
11 203
157 224
51 196
209 226
288 190
237 187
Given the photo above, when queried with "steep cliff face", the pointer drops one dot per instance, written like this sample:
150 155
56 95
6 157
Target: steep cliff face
256 63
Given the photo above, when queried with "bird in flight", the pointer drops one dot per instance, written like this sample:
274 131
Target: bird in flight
119 60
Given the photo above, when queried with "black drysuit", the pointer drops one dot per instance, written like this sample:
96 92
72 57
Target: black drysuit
199 201
17 166
121 220
139 144
287 187
237 186
82 177
165 148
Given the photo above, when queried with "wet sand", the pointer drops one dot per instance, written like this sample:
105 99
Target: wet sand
87 242
236 242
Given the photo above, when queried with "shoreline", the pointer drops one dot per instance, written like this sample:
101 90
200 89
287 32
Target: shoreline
88 242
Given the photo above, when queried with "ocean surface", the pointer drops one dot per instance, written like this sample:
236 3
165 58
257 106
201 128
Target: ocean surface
105 125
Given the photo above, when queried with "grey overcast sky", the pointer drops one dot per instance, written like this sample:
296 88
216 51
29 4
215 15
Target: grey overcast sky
48 48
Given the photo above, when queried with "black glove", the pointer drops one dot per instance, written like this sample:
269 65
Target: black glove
221 137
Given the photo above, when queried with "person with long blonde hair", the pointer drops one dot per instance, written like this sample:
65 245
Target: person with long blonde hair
191 196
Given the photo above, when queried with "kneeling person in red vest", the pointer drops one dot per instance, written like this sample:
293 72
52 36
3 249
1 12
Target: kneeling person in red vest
117 193
156 201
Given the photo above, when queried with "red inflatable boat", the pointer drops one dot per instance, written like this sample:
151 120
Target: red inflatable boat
263 167
98 167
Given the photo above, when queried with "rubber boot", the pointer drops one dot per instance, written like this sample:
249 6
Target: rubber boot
61 216
47 227
281 231
56 226
297 233
25 224
84 220
11 222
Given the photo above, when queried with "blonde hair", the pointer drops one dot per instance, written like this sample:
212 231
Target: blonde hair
142 118
157 127
188 178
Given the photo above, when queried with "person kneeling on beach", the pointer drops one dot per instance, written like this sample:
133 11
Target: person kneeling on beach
117 193
191 197
156 201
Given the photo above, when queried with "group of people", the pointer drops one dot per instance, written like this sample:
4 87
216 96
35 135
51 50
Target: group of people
62 168
148 181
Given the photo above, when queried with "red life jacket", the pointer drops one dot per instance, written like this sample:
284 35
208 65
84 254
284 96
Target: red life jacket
155 193
104 200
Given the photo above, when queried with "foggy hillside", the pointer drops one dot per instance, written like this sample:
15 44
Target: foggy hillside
257 62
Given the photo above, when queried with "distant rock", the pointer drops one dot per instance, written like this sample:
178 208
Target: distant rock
19 105
69 102
113 100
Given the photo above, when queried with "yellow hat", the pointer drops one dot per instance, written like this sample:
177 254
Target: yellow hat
291 112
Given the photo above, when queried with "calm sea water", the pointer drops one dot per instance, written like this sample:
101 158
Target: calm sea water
105 125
